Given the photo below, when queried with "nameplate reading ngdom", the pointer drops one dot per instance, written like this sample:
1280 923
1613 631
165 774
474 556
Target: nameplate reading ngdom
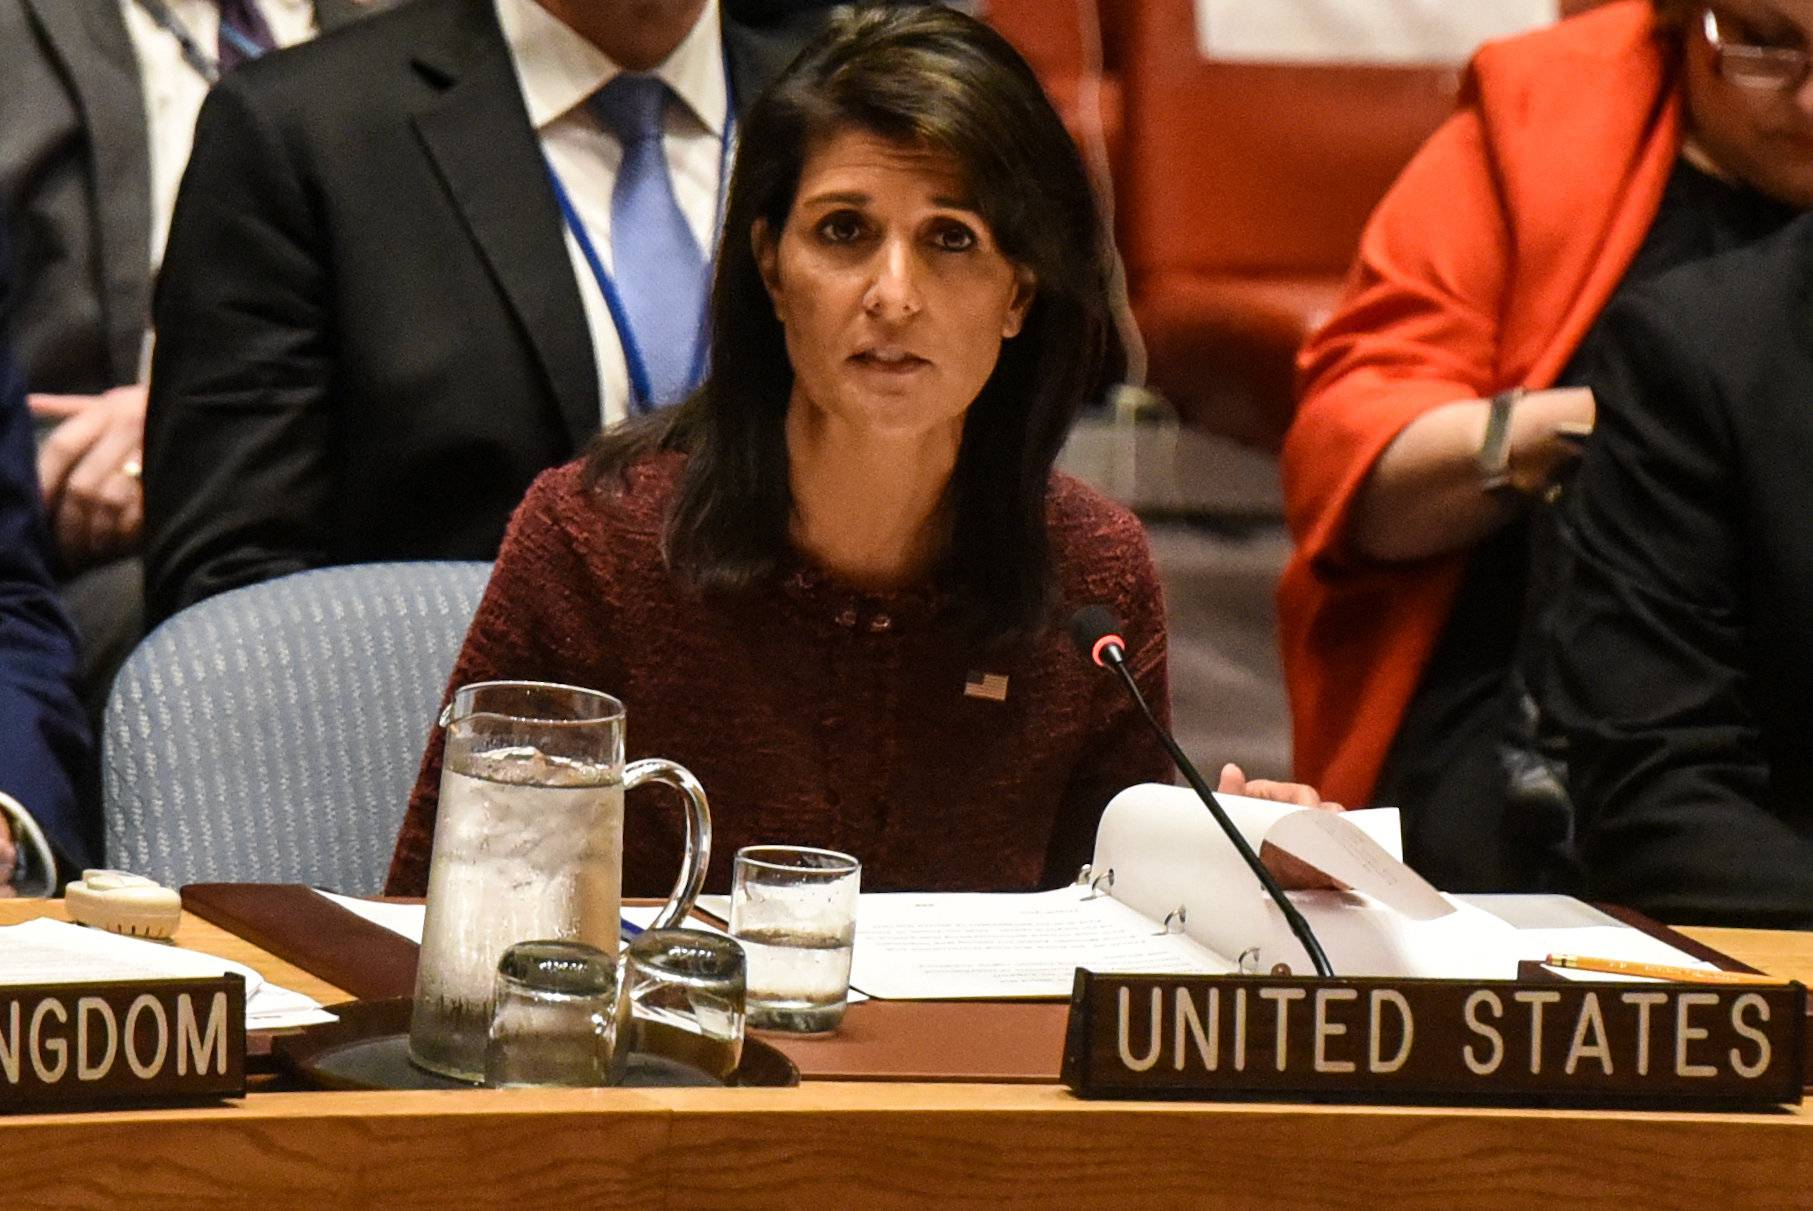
1479 1042
120 1043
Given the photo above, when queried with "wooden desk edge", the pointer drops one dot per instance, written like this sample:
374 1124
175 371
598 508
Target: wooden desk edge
834 1097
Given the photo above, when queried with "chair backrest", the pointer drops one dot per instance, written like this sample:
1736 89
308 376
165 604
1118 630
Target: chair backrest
1062 41
1047 33
1258 168
273 733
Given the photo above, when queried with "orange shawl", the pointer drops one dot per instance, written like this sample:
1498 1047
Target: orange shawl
1483 268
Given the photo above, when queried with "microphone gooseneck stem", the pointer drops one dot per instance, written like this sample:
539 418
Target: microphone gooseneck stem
1298 925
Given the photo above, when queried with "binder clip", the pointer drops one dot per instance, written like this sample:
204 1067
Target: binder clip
1087 878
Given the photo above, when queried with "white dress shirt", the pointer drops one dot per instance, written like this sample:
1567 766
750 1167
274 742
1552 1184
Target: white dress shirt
558 71
174 90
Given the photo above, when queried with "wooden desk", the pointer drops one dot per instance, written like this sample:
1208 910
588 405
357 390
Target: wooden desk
1778 952
878 1145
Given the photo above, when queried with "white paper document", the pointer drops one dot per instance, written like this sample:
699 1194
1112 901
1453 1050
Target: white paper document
642 916
403 919
1561 925
1159 854
954 947
44 951
406 920
1028 945
1167 854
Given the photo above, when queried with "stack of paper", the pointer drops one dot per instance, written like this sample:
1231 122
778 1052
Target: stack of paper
44 951
1174 896
981 945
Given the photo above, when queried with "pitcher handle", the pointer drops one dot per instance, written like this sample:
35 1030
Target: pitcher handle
698 832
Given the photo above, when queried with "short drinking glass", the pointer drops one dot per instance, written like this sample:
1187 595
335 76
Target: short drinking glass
555 1018
794 910
34 872
684 994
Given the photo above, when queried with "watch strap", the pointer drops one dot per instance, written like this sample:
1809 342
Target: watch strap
1494 457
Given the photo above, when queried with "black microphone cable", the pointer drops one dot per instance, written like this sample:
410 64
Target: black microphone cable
1094 629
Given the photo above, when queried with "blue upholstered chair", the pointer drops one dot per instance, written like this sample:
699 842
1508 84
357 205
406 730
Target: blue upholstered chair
272 734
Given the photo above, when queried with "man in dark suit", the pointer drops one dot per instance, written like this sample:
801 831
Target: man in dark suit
101 102
1677 659
377 325
76 182
43 736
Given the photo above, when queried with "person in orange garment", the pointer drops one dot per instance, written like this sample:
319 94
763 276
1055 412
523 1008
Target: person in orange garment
1449 395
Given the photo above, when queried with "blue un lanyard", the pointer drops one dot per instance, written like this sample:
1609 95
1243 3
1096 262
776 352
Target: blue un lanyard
640 391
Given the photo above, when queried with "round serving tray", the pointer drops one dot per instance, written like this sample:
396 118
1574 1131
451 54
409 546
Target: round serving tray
368 1048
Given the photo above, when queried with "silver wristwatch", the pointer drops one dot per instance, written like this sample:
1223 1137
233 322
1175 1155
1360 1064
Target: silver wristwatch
1494 457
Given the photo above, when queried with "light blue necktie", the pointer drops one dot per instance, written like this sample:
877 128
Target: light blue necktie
656 263
244 34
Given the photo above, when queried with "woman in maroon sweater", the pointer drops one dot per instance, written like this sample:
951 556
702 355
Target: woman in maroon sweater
829 583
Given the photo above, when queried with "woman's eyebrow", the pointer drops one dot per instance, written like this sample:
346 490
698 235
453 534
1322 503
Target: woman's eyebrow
838 197
855 197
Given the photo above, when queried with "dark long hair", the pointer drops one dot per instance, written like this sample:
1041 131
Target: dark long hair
933 78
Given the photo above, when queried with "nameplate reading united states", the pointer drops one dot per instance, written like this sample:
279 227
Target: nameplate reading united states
123 1042
1435 1041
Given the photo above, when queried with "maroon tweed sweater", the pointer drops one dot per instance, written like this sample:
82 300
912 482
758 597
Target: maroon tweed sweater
815 714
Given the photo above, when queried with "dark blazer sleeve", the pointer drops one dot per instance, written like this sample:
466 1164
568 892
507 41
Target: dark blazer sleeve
239 425
43 734
1644 663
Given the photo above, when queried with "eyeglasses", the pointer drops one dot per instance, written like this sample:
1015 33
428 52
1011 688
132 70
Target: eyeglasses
1770 68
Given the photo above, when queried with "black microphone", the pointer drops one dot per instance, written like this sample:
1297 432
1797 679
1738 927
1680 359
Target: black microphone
1095 631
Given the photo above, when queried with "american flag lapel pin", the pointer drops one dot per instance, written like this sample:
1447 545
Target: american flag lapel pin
992 686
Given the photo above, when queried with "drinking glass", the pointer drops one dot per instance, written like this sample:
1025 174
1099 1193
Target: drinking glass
683 991
34 874
794 910
556 1017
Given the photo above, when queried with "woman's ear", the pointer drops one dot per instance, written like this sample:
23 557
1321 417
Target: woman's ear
767 261
1026 286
